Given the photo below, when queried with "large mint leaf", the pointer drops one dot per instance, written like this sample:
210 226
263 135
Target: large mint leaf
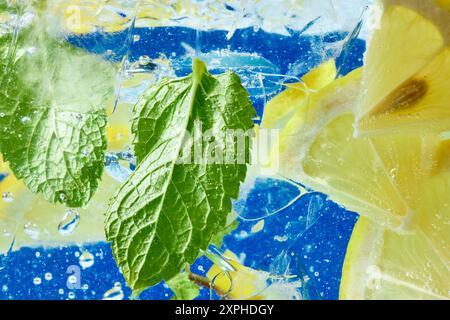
167 211
52 100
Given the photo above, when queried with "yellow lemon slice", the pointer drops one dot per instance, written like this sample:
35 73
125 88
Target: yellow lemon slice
280 109
398 183
311 115
379 177
241 283
250 284
118 130
406 80
381 264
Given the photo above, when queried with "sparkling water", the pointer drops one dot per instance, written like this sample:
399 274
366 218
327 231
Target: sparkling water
297 237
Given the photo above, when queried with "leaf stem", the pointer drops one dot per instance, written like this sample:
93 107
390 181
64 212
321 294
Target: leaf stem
198 70
202 281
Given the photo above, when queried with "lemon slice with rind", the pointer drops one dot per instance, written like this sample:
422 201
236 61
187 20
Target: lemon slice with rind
318 150
406 80
398 183
244 283
381 177
239 283
382 264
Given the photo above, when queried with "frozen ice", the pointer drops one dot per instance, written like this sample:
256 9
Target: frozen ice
251 67
272 195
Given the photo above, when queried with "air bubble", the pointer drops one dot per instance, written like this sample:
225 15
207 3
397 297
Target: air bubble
114 293
7 197
62 197
69 222
144 60
86 260
25 120
72 279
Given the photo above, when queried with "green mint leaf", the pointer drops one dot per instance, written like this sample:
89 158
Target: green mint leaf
52 114
217 239
169 210
183 288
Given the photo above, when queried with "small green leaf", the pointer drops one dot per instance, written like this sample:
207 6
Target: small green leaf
183 288
217 239
169 209
52 114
